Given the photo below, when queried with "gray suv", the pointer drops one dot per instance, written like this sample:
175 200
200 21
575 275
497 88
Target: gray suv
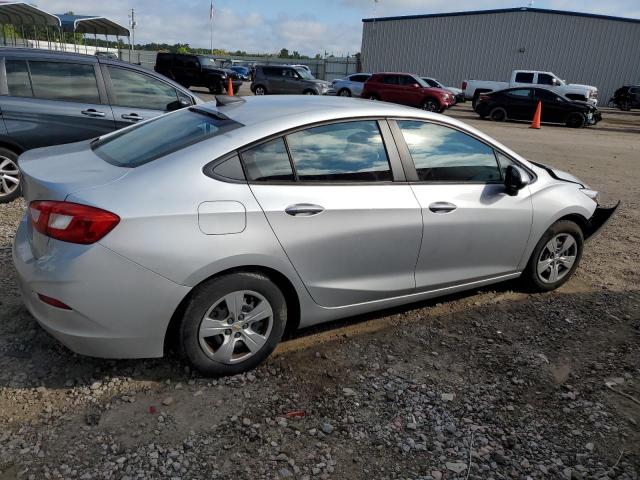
286 79
49 98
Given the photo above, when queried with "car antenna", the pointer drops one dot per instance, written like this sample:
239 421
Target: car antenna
224 100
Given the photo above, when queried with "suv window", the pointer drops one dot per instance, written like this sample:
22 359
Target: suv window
521 93
134 89
272 71
442 154
160 136
524 77
268 161
163 60
545 79
390 79
359 78
350 151
18 79
70 82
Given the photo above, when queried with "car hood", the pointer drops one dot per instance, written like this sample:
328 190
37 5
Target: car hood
318 82
454 90
590 87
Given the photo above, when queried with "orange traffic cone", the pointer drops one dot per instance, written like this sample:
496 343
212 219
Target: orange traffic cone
230 89
536 116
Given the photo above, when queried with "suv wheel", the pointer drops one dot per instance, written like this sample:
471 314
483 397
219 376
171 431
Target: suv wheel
9 176
260 90
232 323
575 120
555 257
310 92
344 92
431 105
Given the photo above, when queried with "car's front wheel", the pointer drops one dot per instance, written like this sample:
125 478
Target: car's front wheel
344 92
575 120
498 114
9 176
260 90
431 105
232 323
555 257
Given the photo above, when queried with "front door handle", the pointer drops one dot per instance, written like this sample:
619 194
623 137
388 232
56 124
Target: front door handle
92 112
442 207
304 210
133 116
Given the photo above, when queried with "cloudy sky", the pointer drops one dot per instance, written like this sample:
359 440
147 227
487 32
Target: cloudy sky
310 27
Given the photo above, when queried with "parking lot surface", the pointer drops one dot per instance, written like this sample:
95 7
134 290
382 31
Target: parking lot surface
494 383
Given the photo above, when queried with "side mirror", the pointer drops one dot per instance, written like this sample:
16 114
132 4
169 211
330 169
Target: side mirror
177 105
415 85
515 180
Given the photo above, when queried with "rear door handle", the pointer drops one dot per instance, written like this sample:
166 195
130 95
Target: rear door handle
132 116
304 209
92 112
442 207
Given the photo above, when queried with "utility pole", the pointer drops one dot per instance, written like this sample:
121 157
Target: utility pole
132 23
211 13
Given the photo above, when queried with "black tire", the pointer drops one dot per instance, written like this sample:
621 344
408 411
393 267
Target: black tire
431 105
474 101
260 90
9 190
575 120
531 279
372 96
498 114
344 92
310 92
207 295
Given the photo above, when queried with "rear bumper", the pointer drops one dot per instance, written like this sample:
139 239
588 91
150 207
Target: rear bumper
598 220
118 308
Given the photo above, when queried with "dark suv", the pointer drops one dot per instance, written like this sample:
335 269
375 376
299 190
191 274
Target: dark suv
627 97
49 98
407 89
196 71
287 79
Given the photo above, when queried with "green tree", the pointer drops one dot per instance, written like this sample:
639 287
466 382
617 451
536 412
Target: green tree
284 53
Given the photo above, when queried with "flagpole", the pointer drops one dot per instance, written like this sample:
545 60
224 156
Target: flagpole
211 25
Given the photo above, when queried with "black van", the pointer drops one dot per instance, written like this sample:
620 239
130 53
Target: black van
196 71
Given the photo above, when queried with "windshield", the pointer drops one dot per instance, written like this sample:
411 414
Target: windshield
208 62
242 70
304 73
161 136
421 82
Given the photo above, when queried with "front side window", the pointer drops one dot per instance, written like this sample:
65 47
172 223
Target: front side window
268 161
350 151
70 82
524 77
161 136
545 79
546 95
18 79
137 90
443 154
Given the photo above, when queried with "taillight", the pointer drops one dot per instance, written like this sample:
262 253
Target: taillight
464 85
71 222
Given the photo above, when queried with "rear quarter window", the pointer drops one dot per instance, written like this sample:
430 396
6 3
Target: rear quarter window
161 136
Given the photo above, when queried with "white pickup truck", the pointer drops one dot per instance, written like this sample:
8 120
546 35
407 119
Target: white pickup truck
531 78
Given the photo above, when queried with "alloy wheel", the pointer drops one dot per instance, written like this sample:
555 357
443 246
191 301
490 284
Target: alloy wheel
431 106
260 91
557 258
236 327
345 92
9 176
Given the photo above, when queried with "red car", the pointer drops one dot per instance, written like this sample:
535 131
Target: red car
407 89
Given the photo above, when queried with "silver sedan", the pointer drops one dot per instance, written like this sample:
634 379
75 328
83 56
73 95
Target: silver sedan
218 226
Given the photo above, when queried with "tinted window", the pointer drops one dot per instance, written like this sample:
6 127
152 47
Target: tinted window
359 78
163 60
523 77
390 79
18 78
72 82
268 161
430 82
520 93
136 90
546 95
161 136
272 71
545 79
351 151
443 154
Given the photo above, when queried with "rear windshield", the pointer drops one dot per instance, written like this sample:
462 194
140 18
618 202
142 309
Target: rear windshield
162 136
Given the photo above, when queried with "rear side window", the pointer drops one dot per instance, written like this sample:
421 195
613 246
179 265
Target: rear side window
522 93
70 82
161 136
18 79
136 90
268 161
359 78
163 60
350 151
272 71
524 77
390 80
443 154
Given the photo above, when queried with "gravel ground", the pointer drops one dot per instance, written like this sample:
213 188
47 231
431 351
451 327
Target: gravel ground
491 384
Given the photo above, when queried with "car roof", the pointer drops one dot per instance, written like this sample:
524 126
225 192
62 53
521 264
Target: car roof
40 52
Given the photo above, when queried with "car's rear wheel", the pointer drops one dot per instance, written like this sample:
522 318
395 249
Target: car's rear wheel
260 90
9 176
232 323
575 120
431 105
344 92
373 96
498 114
309 92
555 257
